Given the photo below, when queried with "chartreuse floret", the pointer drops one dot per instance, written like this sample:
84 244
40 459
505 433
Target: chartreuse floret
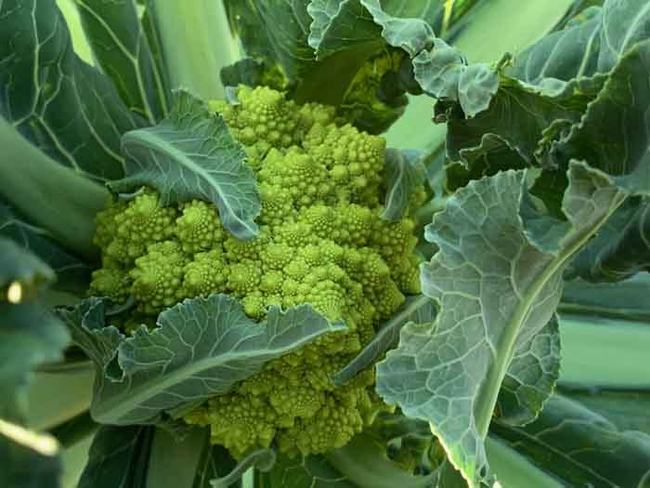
321 241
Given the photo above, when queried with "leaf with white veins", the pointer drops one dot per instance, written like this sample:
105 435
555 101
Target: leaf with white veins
497 279
192 155
202 347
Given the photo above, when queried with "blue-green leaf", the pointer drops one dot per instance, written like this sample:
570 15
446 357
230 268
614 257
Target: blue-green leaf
531 377
192 155
200 348
498 280
65 107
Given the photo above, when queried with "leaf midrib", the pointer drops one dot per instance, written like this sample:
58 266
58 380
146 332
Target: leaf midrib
496 374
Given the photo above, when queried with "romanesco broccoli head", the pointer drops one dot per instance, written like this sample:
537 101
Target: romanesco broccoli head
321 242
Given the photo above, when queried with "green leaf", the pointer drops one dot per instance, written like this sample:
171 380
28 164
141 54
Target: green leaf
531 377
29 337
569 59
444 73
86 323
65 107
498 280
627 409
362 463
18 264
118 457
121 48
192 155
408 442
516 123
621 249
25 467
418 310
627 299
562 61
72 274
308 472
565 97
614 133
353 54
580 447
405 174
215 461
261 460
600 352
74 430
200 348
47 194
579 11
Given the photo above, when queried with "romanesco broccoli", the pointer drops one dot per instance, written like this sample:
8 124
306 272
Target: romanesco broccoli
321 241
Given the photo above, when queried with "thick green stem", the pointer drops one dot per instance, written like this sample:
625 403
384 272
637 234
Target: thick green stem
196 42
50 195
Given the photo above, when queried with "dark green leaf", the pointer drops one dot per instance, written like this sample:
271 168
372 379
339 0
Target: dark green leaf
215 462
65 107
49 195
539 110
621 249
309 472
580 447
23 467
409 442
87 325
515 122
29 337
627 409
418 310
614 133
405 175
361 463
74 430
121 48
192 155
19 265
531 377
353 54
627 299
261 460
72 274
498 280
118 458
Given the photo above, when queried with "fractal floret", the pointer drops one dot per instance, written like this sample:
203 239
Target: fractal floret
321 242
